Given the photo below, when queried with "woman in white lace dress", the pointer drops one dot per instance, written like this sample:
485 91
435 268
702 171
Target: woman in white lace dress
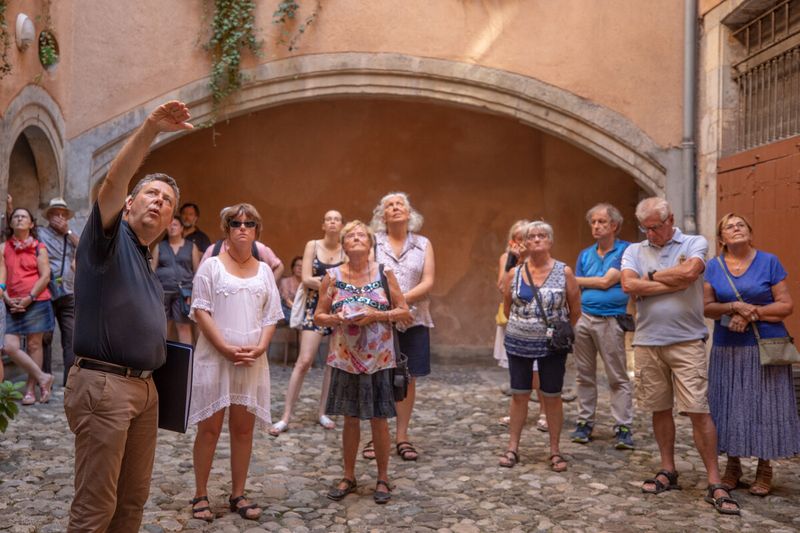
236 305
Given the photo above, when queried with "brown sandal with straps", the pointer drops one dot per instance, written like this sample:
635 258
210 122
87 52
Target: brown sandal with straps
733 474
763 483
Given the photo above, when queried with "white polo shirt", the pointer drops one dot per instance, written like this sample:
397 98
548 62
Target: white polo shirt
677 316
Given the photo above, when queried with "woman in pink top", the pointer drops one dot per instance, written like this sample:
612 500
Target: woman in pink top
27 272
353 301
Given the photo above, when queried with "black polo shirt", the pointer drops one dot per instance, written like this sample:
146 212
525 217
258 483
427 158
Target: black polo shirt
119 309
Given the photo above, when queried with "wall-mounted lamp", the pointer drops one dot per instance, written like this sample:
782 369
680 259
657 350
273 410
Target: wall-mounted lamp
26 33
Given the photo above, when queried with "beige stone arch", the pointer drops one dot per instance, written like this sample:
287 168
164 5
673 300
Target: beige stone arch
596 129
34 116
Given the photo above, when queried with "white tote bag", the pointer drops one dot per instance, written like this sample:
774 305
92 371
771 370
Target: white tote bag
298 308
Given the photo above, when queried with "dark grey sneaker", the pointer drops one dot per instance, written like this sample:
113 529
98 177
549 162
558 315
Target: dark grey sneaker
582 433
624 439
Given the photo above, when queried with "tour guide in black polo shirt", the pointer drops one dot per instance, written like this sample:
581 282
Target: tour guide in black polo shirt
120 334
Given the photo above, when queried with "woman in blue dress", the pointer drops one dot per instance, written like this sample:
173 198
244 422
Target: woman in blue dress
753 406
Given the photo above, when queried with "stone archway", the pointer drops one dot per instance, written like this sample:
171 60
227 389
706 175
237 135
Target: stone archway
596 129
32 148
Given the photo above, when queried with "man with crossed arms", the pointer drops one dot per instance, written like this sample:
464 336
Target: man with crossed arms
664 274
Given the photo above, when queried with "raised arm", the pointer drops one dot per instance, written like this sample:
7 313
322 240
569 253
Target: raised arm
171 116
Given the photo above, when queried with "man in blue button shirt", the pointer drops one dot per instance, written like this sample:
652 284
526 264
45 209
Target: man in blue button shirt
599 331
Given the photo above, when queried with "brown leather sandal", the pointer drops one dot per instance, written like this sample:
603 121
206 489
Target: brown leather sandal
733 474
763 483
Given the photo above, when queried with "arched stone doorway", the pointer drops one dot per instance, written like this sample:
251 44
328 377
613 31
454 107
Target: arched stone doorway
471 175
32 149
33 171
578 129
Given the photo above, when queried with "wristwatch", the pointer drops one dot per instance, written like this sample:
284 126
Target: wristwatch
651 274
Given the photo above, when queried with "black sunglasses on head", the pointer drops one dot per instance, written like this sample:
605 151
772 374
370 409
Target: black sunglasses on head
238 224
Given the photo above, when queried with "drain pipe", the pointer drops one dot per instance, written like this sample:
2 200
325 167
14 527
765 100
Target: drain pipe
688 147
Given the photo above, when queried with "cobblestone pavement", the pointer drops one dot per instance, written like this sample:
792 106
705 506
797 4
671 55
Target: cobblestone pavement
455 486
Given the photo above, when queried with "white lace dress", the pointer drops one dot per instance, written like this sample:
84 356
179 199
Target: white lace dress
241 308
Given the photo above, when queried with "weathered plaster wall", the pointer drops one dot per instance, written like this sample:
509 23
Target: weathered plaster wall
470 174
623 54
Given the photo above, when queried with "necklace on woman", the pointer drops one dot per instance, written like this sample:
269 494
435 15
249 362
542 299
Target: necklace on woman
239 262
741 264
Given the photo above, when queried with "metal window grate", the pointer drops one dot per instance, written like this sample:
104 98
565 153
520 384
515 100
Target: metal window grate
769 100
770 28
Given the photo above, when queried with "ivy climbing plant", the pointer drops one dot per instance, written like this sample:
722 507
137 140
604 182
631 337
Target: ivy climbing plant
233 31
5 41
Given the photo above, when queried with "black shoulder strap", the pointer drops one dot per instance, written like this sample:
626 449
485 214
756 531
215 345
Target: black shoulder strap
217 248
254 251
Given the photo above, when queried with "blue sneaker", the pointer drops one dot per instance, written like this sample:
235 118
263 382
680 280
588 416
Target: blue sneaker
582 433
624 438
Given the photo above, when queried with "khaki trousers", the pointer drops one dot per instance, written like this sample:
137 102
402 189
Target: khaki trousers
602 334
115 422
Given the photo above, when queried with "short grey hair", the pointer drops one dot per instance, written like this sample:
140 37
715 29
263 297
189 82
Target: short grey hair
150 178
653 205
613 214
540 225
378 224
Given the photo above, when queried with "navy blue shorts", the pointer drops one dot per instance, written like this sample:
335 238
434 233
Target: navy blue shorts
416 344
551 373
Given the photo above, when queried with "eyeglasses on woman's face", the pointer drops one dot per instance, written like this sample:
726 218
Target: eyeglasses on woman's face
249 224
734 226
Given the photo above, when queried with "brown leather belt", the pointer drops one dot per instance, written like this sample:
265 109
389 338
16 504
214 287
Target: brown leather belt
94 364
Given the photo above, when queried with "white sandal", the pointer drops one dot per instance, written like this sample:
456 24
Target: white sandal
326 422
541 424
278 428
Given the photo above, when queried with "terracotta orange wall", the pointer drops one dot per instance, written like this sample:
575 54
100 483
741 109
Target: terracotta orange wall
26 68
471 175
623 54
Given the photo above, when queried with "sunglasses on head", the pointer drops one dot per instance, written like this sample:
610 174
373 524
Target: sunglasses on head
238 224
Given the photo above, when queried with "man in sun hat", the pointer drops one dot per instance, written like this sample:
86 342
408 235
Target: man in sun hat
61 243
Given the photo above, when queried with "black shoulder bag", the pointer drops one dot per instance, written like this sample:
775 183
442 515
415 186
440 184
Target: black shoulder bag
560 334
400 374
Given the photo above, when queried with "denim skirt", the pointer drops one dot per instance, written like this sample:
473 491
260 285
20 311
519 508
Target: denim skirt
362 396
38 318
